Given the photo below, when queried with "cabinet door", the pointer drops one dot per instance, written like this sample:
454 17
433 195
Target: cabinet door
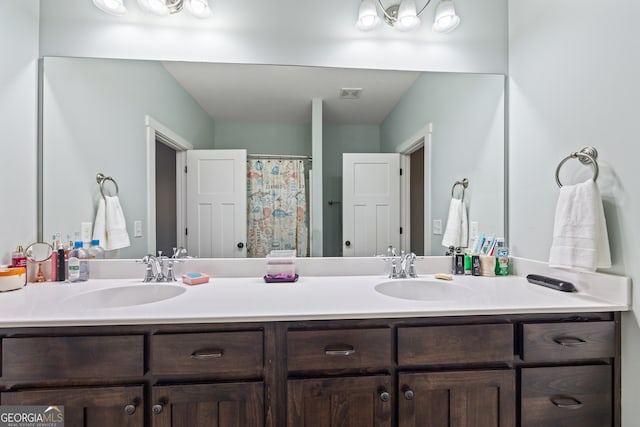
339 402
95 407
199 405
457 399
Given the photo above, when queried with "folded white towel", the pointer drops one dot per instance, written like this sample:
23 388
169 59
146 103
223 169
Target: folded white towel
110 226
580 238
456 232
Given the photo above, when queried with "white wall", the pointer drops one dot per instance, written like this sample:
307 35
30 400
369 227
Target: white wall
303 32
18 120
574 82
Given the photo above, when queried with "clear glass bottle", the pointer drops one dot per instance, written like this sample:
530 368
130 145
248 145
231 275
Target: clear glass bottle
78 262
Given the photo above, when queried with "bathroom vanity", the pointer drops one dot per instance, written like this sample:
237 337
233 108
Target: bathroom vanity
325 351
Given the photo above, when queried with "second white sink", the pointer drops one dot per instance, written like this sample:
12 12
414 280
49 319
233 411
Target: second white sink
124 296
422 289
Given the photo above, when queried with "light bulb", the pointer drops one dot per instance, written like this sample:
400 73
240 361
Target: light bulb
157 7
368 17
407 17
113 7
446 19
198 8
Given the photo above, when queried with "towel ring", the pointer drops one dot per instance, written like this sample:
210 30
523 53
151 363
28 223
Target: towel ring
464 183
587 156
101 178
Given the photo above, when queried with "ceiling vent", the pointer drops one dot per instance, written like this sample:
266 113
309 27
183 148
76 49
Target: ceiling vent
350 92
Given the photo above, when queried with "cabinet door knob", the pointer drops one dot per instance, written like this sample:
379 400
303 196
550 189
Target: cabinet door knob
384 396
157 408
408 393
566 402
347 243
240 245
130 409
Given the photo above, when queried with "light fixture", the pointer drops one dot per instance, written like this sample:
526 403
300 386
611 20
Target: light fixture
113 7
446 19
404 15
197 8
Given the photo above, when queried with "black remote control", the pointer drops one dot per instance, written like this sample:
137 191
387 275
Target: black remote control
550 282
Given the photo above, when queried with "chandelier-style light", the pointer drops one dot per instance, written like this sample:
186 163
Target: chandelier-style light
197 8
404 16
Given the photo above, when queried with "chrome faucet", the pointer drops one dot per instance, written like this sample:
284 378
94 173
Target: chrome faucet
403 266
155 268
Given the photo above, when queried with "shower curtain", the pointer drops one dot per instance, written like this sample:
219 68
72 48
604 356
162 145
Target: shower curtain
277 207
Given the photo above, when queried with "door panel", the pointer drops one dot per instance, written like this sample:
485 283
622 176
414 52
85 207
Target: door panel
371 203
217 203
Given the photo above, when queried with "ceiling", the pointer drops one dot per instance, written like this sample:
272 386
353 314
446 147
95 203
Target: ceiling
273 93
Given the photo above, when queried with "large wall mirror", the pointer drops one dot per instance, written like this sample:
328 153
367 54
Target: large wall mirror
99 116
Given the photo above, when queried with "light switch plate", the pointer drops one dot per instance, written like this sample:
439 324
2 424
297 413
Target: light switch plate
137 228
436 226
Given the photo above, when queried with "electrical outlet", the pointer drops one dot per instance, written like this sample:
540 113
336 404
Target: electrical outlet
137 228
436 226
473 230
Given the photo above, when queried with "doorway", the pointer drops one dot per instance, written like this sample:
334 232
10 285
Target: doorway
416 201
166 197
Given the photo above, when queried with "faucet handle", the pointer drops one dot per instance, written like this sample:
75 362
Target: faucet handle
170 273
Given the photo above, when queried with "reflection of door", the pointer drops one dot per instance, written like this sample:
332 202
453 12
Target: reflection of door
166 197
371 203
217 203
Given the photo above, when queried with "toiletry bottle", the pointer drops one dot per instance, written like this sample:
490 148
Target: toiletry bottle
459 262
54 260
78 263
61 269
19 260
96 251
502 261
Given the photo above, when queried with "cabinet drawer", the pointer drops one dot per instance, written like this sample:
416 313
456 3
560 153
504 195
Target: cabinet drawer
232 353
82 357
566 396
339 349
567 341
444 345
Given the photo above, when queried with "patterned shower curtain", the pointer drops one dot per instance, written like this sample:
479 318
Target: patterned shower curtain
277 217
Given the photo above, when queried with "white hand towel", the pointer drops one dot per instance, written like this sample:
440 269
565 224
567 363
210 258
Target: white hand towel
99 225
116 225
456 232
580 238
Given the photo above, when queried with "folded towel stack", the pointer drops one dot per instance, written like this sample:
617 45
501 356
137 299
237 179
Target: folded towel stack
456 232
580 238
110 226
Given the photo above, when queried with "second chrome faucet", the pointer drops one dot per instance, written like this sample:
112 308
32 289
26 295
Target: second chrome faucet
403 266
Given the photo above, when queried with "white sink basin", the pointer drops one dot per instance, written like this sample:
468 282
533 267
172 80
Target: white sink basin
124 296
422 289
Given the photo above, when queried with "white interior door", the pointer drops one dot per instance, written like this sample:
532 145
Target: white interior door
370 203
217 203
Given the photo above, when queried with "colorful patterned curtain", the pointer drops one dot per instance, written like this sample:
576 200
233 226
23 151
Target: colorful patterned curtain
277 217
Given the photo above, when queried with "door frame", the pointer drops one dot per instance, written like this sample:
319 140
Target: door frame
420 139
158 131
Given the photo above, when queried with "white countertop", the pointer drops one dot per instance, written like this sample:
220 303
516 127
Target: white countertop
242 299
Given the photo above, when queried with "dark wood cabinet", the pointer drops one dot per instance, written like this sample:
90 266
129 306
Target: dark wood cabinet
485 398
87 406
203 405
522 370
340 402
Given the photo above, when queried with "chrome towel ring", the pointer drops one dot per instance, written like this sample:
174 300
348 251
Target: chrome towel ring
101 178
464 183
587 156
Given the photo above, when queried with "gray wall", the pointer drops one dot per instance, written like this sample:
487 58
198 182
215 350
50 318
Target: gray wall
467 114
574 82
18 119
264 138
94 121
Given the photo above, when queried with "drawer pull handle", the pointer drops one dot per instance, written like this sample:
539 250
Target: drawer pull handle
130 409
207 354
339 350
157 408
566 402
569 341
385 396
